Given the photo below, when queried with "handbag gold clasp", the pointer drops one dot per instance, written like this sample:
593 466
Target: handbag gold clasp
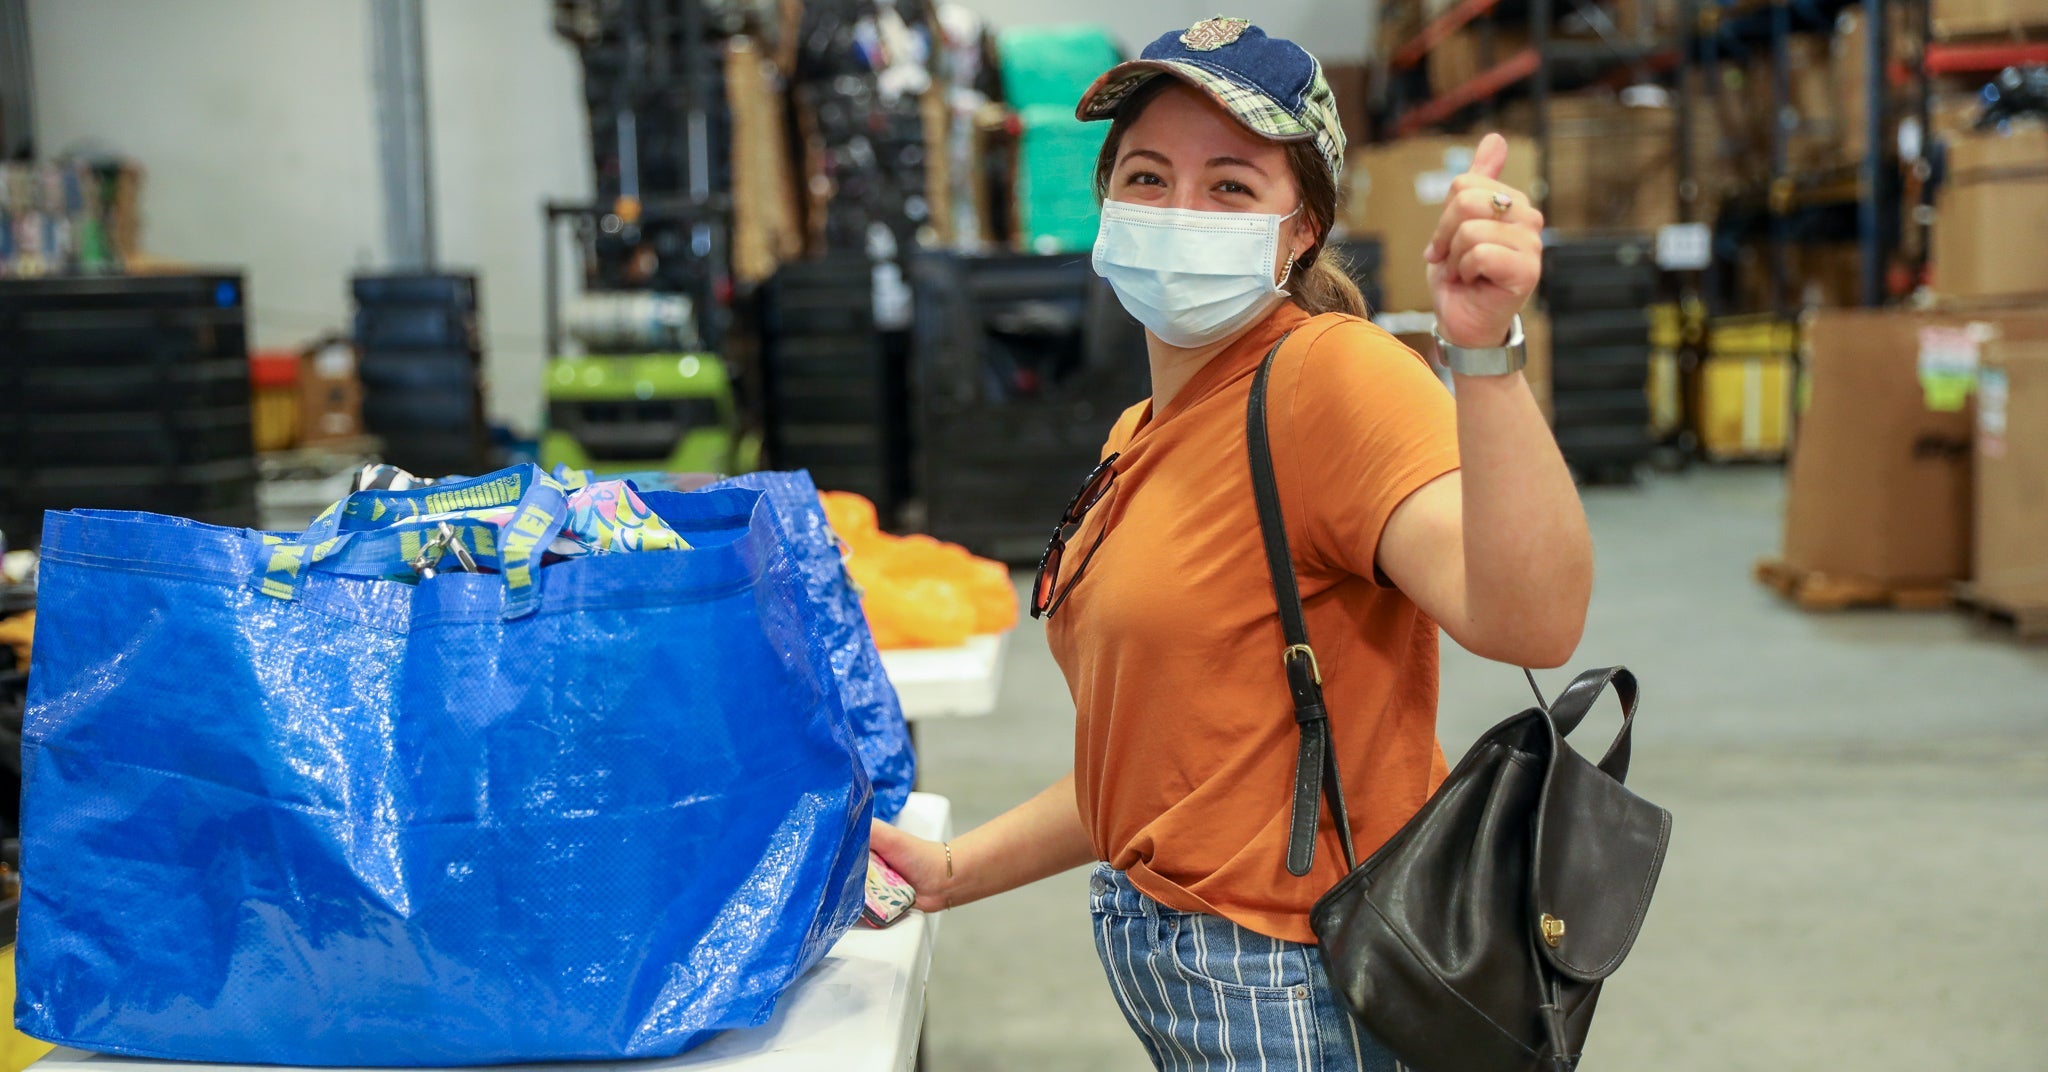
1553 930
1287 659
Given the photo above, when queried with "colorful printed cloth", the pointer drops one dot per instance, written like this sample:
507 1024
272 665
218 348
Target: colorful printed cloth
604 517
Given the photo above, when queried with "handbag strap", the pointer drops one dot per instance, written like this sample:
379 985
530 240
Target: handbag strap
1576 701
1315 765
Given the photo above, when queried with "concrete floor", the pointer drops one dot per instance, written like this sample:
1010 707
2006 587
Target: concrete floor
1859 871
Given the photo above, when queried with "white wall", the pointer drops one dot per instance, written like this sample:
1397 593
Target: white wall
254 119
1336 31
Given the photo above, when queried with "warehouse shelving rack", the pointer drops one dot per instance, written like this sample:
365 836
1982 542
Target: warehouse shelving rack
1544 66
1795 203
1855 202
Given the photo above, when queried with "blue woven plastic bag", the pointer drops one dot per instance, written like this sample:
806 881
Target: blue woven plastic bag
279 808
864 687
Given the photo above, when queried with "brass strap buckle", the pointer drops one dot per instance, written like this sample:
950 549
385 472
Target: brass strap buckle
1287 659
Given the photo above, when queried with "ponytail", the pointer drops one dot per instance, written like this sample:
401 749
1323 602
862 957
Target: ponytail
1320 285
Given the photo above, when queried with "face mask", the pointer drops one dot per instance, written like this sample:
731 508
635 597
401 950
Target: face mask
1192 277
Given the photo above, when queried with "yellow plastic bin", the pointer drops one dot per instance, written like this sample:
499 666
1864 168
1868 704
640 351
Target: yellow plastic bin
17 1051
1743 408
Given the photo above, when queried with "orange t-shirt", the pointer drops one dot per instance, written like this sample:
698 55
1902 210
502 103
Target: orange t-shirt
1185 739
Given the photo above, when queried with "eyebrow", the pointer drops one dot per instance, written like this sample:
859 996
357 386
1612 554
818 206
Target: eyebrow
1214 161
1220 161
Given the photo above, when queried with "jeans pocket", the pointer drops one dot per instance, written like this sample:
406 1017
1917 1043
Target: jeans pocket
1216 953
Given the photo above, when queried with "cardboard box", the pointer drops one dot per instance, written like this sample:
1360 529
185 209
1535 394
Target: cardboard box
1827 277
1721 158
1981 18
1991 217
1536 336
1464 56
1612 167
330 397
1397 191
765 228
2012 475
1645 21
1953 114
1399 22
1880 480
1849 59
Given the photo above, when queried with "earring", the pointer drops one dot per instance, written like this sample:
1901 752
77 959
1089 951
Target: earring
1287 271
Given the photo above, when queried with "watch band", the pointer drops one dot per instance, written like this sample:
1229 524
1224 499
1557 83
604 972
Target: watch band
1485 360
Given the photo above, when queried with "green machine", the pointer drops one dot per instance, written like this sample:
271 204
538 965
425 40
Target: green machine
617 413
646 396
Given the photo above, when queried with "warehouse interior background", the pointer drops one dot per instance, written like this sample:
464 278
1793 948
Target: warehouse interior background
1792 337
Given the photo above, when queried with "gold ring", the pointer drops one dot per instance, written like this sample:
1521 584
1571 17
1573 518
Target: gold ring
1501 204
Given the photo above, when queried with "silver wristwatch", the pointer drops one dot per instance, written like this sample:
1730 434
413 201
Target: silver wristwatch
1485 360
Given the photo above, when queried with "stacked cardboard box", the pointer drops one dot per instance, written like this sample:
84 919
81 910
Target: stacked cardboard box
1723 141
1991 219
1645 20
1400 21
765 227
1396 192
2011 564
1987 18
1881 475
1468 53
1613 166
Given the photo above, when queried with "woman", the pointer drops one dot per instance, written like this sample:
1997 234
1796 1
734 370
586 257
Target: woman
1406 510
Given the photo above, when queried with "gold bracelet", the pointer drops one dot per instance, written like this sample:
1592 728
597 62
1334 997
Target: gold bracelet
948 846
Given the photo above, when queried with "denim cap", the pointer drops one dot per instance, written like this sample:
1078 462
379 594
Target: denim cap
1271 85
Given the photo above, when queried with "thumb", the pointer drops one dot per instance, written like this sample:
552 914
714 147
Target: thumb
886 840
1490 157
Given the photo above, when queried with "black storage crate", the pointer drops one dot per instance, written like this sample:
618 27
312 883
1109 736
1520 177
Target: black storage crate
1024 363
1605 274
837 394
421 363
1600 368
1599 289
1600 327
124 393
412 370
414 327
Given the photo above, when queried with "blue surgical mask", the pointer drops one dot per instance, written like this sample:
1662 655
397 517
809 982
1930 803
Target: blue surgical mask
1192 277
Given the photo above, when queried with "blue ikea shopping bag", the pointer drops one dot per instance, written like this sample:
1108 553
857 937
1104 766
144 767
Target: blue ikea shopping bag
279 808
871 701
880 731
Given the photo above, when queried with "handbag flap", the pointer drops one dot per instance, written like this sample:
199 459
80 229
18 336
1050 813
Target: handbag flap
1599 848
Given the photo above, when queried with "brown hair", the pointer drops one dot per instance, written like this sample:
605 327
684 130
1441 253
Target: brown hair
1318 282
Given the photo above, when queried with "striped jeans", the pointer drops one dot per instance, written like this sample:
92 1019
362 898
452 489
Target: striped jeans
1205 993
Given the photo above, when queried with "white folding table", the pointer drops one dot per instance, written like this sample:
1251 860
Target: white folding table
957 682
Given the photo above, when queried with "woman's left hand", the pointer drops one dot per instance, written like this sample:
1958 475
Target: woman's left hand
1484 262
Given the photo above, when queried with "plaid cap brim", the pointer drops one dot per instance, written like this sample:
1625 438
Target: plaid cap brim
1258 111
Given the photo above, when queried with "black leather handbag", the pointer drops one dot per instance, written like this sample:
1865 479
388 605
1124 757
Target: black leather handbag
1477 938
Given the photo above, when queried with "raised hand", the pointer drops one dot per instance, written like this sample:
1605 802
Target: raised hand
1487 255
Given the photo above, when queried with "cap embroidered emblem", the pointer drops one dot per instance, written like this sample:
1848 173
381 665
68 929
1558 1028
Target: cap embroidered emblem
1209 35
